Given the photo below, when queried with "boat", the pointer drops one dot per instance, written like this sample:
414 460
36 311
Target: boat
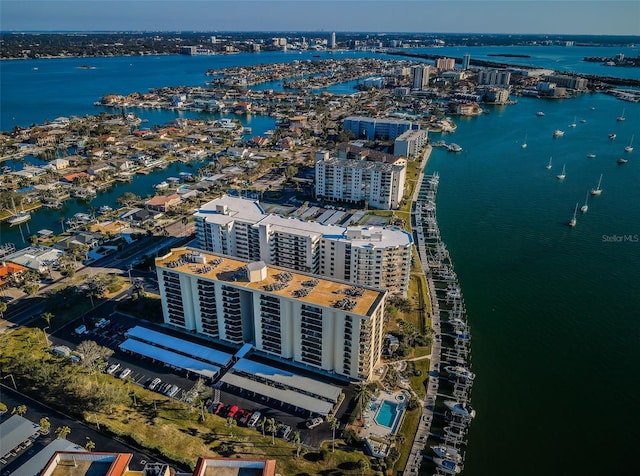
19 218
524 144
454 432
161 186
612 136
585 207
539 113
447 452
583 121
104 209
460 371
563 174
448 466
597 190
620 118
573 124
454 148
548 166
573 220
629 148
622 160
460 409
591 156
557 133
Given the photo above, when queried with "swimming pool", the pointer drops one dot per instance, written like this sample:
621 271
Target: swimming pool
387 414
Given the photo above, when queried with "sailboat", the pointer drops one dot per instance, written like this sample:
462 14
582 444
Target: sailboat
573 220
620 118
18 218
629 148
597 190
622 160
562 175
524 144
585 207
573 124
549 164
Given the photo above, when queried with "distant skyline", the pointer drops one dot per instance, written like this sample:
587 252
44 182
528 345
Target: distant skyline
571 17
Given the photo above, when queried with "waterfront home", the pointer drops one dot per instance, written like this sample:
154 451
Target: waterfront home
59 164
100 167
239 152
163 203
10 269
80 238
37 258
140 216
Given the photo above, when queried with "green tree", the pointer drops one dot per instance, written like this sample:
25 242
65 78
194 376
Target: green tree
34 240
90 446
45 425
92 353
30 288
19 410
334 424
47 316
362 394
231 423
271 428
62 432
127 199
262 425
363 466
296 440
3 408
3 308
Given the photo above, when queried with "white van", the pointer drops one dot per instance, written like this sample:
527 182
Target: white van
125 373
253 421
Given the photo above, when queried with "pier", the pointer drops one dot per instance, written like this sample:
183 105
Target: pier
449 377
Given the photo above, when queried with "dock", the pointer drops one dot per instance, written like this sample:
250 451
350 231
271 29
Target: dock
451 345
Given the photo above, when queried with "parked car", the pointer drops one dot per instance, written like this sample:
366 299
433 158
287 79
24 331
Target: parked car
112 368
218 408
254 420
284 431
313 422
245 417
232 411
125 373
154 383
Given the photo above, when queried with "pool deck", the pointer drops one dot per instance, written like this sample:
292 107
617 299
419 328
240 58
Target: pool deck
373 429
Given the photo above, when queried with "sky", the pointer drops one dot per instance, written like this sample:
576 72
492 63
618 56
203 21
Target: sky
602 17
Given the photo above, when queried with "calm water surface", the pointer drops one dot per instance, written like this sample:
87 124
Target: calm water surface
555 311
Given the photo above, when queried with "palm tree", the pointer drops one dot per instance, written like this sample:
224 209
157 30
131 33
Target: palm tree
45 425
3 307
262 424
230 424
363 392
333 424
47 316
62 432
90 446
296 440
271 428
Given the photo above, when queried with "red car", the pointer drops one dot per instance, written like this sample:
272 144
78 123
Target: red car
218 408
232 411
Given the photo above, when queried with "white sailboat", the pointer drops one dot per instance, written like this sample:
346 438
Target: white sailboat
549 164
629 148
585 207
597 190
620 118
18 218
591 156
573 124
573 220
563 174
524 144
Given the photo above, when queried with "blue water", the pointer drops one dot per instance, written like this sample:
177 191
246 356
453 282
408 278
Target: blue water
553 310
387 414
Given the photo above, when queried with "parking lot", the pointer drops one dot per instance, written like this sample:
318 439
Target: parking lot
143 372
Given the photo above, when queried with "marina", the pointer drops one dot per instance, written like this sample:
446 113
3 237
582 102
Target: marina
448 411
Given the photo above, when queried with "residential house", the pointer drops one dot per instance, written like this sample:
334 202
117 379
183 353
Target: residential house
163 203
140 216
9 269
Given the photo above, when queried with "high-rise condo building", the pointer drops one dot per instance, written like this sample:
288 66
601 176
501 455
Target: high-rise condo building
466 60
372 128
323 324
494 77
420 76
364 255
446 64
332 42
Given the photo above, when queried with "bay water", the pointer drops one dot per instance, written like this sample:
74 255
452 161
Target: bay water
554 310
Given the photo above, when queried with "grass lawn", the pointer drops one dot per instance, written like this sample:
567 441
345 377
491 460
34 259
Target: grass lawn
408 429
417 382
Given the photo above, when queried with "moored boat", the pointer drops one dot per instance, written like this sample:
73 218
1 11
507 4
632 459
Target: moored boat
19 218
557 133
460 409
563 174
460 371
448 466
447 452
597 190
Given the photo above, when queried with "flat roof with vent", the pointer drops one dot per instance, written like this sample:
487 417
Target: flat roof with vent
311 289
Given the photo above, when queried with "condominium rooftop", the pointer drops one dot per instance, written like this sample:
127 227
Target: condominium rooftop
310 289
226 209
